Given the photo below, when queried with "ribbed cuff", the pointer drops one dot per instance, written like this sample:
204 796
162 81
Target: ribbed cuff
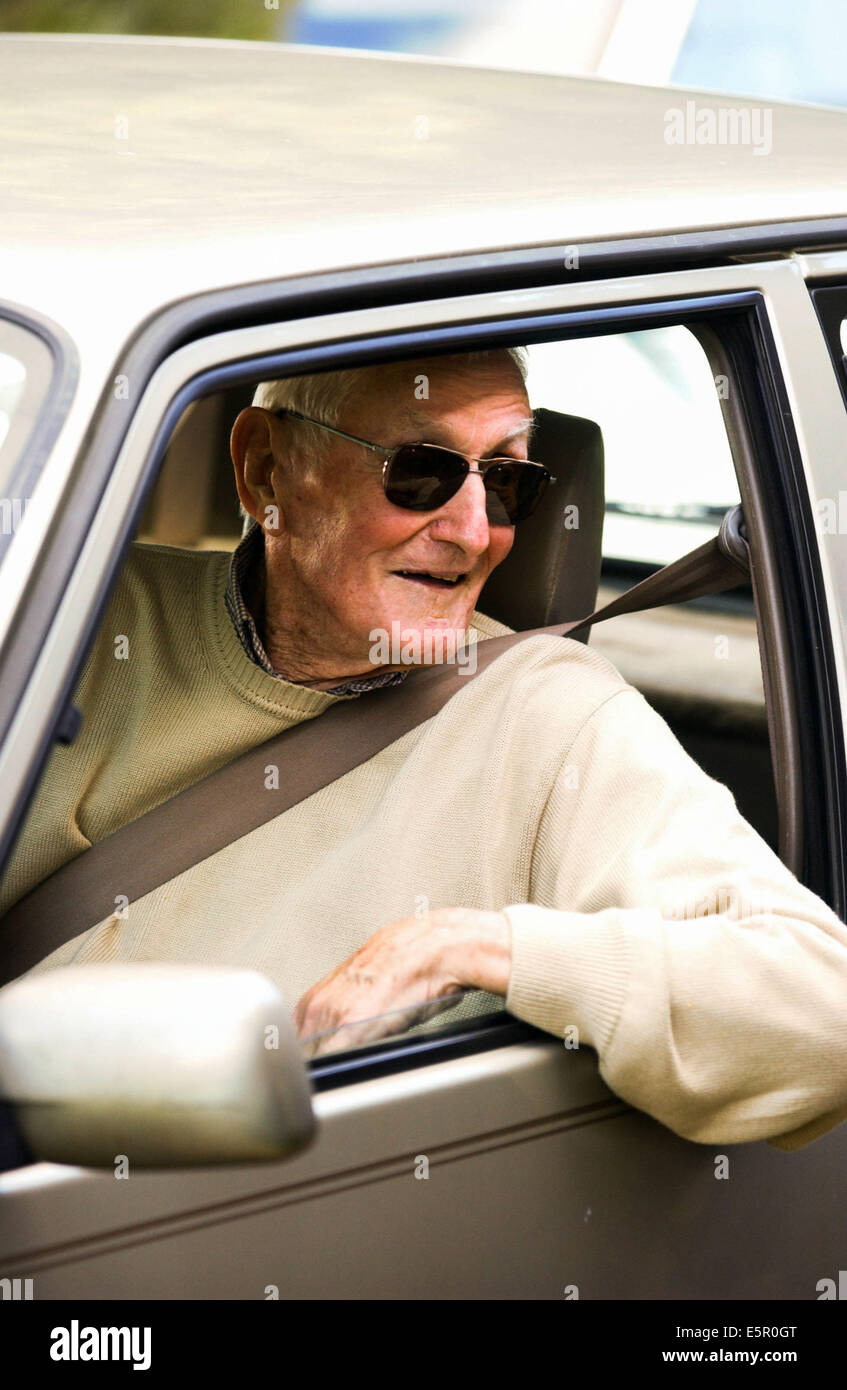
568 969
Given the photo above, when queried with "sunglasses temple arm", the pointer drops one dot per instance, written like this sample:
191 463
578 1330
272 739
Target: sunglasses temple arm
354 438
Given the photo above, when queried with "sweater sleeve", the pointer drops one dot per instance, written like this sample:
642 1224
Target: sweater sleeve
711 983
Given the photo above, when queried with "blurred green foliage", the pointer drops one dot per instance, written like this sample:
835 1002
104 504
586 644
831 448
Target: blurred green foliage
224 19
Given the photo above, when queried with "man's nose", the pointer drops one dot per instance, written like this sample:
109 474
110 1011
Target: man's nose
464 519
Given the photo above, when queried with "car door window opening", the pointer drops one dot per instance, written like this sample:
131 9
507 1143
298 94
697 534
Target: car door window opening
658 350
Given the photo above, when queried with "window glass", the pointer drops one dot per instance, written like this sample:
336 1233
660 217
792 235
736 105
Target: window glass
25 370
12 381
669 471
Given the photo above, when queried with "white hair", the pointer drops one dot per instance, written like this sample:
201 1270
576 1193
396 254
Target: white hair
325 395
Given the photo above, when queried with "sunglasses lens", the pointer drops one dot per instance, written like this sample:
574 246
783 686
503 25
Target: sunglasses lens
513 490
423 477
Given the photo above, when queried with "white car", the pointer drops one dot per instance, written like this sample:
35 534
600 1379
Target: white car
183 219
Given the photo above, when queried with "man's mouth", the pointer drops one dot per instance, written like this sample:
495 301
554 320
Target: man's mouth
434 579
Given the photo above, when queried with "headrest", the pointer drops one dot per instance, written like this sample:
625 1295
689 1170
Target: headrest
551 573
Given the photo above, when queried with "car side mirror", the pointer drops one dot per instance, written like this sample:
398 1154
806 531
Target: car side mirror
161 1065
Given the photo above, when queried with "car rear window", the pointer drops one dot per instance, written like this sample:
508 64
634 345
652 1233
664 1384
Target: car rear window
26 367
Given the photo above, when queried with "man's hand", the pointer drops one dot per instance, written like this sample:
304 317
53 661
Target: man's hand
406 964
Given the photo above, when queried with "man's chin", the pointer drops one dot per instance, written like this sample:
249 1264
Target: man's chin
417 641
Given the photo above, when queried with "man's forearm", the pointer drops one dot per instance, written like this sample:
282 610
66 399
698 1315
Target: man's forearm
724 1030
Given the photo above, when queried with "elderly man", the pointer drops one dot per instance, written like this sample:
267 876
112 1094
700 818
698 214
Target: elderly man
543 839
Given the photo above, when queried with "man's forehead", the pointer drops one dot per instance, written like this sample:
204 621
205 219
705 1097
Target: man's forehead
451 375
428 395
503 423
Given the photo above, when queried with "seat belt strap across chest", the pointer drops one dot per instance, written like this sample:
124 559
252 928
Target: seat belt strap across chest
226 804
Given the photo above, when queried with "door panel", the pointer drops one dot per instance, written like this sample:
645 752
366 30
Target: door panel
538 1179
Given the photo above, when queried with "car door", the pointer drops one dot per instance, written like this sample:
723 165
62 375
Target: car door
490 1161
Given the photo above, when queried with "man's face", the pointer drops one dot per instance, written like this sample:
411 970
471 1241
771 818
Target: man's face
348 561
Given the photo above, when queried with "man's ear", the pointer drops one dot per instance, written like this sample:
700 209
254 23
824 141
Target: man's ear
254 457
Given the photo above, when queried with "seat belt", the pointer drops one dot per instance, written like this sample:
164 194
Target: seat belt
232 801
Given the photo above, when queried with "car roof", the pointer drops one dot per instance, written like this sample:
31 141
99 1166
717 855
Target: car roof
140 170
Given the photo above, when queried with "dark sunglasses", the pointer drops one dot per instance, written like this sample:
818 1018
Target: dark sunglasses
422 477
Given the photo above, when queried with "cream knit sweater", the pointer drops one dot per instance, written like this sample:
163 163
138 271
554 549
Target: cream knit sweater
645 912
